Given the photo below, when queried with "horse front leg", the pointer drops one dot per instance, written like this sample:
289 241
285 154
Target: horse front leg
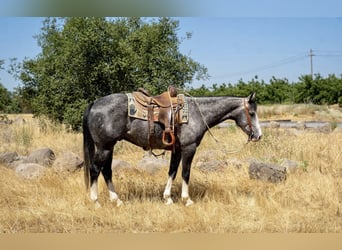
174 164
187 157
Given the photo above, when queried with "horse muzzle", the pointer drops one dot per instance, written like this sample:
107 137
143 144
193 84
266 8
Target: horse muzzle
254 138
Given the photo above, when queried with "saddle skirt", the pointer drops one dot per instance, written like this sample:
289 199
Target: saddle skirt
139 103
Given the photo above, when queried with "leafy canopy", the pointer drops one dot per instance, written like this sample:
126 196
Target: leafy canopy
86 58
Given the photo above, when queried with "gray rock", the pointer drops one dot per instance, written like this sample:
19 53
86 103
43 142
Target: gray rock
68 161
210 166
120 165
267 172
301 125
8 158
29 170
151 164
43 156
325 129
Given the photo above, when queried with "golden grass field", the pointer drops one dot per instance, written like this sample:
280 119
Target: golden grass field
225 201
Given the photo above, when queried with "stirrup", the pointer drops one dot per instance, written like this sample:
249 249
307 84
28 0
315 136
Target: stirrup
173 138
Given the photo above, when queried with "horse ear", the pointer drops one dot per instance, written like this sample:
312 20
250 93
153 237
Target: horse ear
251 97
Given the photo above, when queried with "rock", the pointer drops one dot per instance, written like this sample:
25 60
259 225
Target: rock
120 165
325 129
274 124
43 156
67 161
267 172
301 125
29 170
151 164
8 158
210 166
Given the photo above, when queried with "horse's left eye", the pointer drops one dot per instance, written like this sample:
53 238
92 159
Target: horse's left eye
251 113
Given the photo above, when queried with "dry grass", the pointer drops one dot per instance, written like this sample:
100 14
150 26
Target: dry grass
295 112
225 201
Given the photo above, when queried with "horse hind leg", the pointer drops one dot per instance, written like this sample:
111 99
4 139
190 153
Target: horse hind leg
94 174
107 175
102 163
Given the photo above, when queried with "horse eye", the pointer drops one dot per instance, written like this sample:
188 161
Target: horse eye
251 113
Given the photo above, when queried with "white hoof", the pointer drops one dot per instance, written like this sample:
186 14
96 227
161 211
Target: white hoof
188 202
119 203
168 201
97 205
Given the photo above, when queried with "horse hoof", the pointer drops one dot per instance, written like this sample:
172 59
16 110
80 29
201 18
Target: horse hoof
168 201
119 203
97 205
188 202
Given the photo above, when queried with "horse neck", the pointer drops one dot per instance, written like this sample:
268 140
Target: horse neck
218 109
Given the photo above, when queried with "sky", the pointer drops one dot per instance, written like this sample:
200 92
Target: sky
232 48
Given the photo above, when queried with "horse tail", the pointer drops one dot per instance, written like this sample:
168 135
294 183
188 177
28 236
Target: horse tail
88 147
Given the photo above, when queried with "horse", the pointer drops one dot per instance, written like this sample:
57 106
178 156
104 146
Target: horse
106 121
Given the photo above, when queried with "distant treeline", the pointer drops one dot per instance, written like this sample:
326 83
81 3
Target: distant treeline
316 90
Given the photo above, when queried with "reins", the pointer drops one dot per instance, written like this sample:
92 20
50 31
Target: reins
230 151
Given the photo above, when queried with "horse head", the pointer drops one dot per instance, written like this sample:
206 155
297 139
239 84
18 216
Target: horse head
247 118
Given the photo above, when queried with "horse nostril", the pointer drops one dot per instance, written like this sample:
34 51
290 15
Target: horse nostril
259 137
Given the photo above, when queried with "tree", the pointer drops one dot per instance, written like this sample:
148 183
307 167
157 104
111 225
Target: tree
85 58
319 90
278 91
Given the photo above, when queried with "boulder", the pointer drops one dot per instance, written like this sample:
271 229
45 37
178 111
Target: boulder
29 170
120 165
152 164
210 166
68 161
43 156
267 172
300 125
326 129
7 158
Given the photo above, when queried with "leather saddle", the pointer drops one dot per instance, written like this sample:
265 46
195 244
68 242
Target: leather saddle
163 108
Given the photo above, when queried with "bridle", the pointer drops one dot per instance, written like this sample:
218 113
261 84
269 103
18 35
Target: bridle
249 120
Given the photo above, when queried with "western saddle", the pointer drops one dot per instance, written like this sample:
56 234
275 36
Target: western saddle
164 108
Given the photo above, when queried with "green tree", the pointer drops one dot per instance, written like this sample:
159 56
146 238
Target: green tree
5 99
319 90
85 58
278 91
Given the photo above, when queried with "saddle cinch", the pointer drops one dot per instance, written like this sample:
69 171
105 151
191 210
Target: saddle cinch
166 108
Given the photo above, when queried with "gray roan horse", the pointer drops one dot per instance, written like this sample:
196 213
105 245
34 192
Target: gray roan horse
106 121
